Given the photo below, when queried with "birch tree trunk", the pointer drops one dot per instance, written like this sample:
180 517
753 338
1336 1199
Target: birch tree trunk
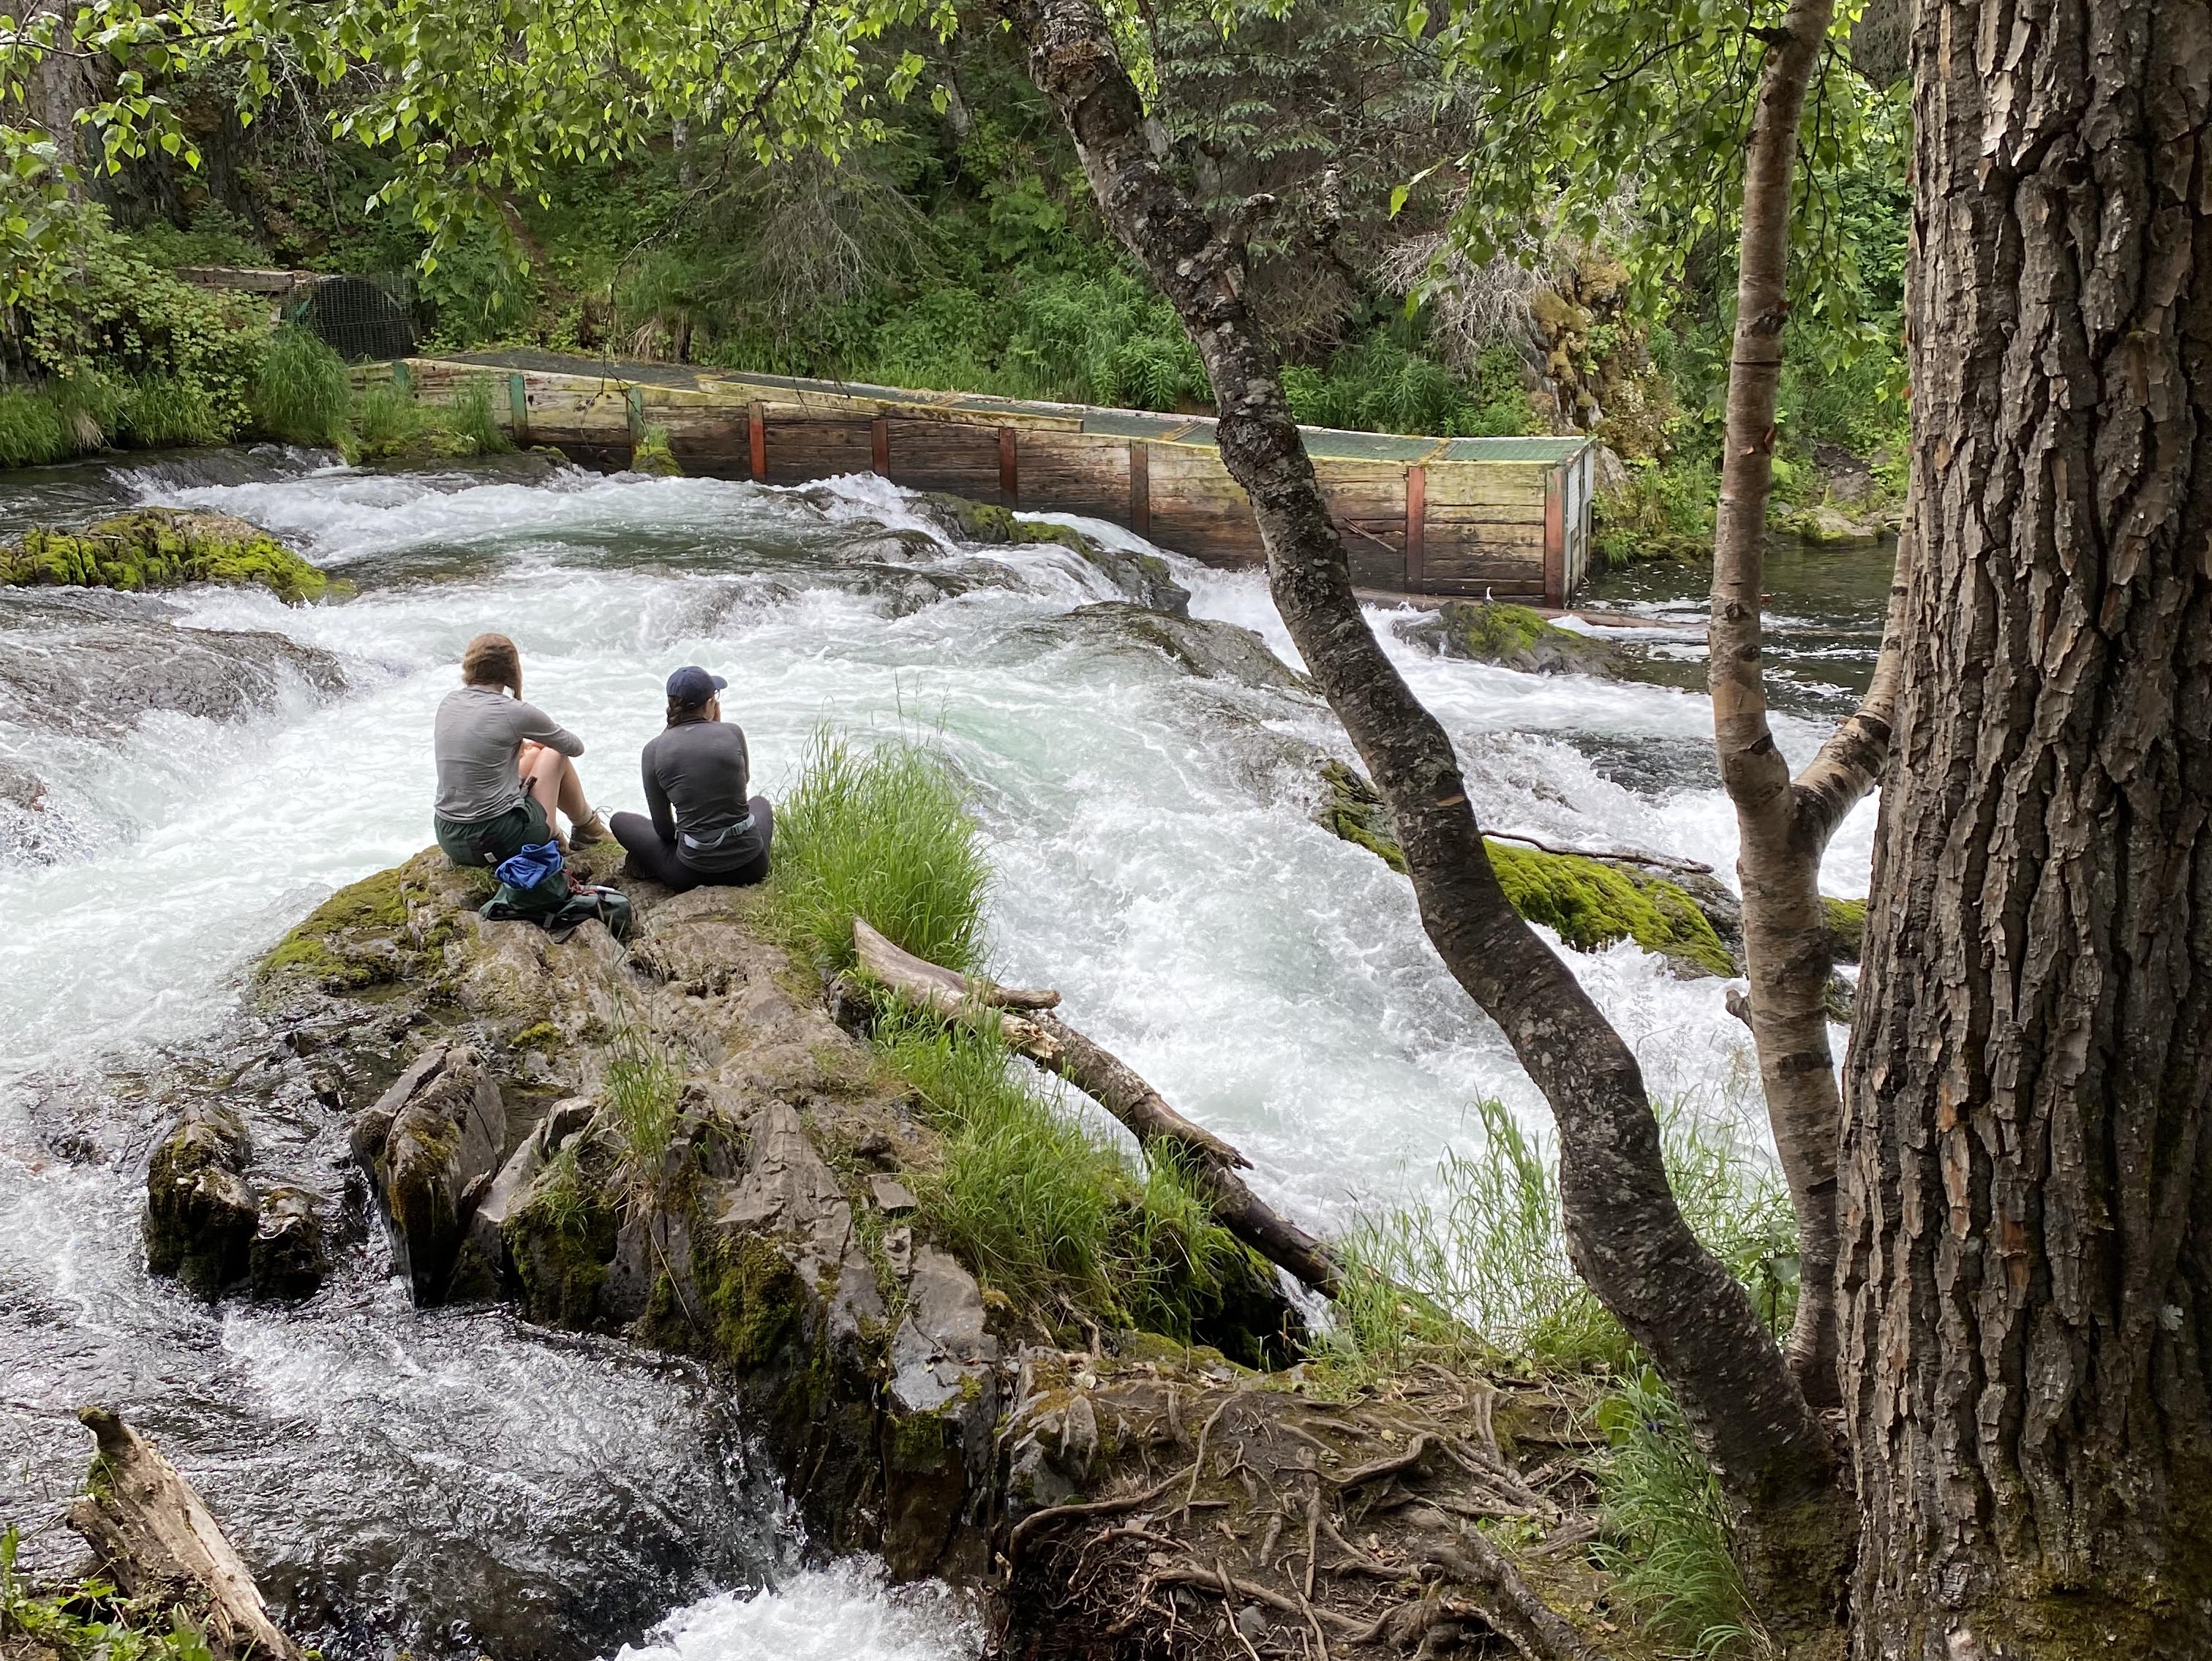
2028 1172
1624 1231
1782 825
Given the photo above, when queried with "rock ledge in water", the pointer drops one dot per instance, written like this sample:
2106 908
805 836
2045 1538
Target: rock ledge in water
1511 637
162 547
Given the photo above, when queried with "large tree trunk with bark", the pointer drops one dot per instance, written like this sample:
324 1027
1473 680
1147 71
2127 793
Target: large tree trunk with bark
1626 1234
2027 1163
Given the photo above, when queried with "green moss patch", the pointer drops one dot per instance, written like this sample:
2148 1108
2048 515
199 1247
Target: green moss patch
315 948
1590 904
153 547
1847 927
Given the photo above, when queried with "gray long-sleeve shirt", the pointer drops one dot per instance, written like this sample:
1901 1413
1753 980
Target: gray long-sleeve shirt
695 778
480 732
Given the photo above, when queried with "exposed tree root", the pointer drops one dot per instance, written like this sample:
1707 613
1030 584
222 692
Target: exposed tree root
1292 1534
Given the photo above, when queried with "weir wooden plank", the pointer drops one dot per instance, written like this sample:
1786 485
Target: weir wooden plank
941 455
1441 516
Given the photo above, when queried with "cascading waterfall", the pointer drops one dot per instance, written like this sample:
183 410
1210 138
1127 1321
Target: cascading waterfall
451 1481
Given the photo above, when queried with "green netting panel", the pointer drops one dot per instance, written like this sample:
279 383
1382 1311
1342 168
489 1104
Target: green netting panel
1550 452
1365 447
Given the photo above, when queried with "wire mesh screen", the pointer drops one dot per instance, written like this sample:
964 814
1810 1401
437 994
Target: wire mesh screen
362 317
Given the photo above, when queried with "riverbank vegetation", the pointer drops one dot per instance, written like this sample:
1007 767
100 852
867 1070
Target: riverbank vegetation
953 245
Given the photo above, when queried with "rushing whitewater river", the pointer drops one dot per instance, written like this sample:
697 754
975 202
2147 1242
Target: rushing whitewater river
455 1483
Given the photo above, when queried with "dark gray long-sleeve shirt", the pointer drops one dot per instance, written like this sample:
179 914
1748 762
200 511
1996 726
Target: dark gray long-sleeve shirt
695 780
480 734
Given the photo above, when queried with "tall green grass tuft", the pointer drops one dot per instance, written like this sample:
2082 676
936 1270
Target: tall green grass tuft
473 417
1024 1193
1665 1539
643 1087
301 392
883 834
387 418
33 429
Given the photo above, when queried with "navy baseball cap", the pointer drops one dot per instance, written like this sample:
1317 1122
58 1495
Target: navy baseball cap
691 686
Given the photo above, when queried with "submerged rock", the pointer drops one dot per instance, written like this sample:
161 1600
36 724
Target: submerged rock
162 547
1511 637
1203 647
1144 577
201 1213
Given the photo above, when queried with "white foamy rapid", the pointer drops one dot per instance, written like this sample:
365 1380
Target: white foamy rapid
1152 834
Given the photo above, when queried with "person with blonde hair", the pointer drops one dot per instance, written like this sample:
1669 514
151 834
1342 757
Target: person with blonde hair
504 768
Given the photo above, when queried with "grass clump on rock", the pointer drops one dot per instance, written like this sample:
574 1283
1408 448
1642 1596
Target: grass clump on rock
883 834
153 547
394 425
89 1620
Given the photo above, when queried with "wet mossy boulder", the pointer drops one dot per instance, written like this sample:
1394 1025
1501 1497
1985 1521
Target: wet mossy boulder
201 1212
152 548
1588 902
431 1145
652 456
1827 525
288 1258
1591 903
1511 637
1144 577
1846 921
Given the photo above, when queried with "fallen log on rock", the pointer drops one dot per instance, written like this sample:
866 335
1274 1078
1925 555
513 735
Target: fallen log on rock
1052 1043
155 1540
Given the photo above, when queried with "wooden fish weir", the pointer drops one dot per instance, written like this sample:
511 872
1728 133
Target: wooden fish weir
1504 517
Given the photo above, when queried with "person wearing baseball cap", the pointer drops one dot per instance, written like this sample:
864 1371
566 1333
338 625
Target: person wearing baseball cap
704 827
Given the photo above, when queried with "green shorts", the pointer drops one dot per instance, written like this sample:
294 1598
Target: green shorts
493 841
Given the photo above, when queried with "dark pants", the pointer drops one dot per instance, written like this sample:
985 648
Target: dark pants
650 857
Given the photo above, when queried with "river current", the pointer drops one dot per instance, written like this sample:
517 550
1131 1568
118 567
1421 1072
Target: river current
453 1481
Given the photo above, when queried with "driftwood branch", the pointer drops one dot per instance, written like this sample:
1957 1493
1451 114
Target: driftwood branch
1050 1042
154 1539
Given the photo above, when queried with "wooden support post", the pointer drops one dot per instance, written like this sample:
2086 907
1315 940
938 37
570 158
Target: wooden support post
1010 494
634 400
400 376
1140 487
1417 515
879 446
517 409
1555 537
760 443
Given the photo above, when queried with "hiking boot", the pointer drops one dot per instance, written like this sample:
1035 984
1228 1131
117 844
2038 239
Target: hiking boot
592 830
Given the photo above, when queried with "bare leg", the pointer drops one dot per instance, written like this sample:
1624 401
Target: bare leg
548 776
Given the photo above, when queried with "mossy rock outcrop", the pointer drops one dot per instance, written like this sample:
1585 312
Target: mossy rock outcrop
745 1235
1588 902
1511 637
1203 647
153 547
1825 526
